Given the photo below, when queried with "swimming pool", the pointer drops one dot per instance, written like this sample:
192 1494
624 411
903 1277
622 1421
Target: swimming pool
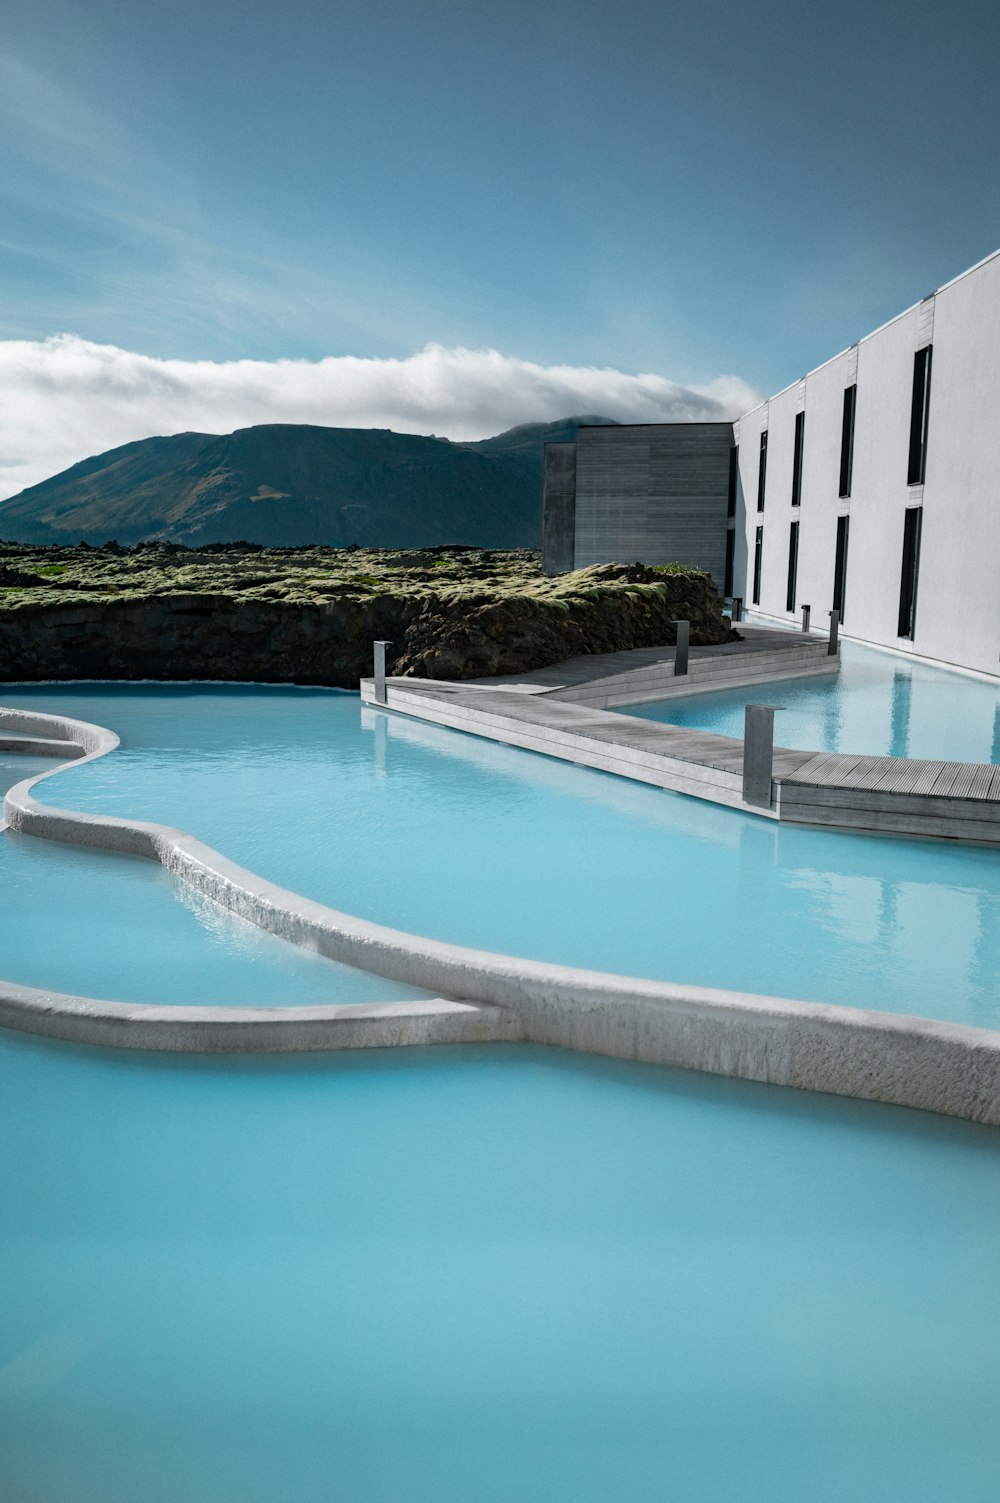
499 1272
120 929
490 1274
878 705
455 838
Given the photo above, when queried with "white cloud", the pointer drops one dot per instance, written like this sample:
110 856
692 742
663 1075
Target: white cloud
64 399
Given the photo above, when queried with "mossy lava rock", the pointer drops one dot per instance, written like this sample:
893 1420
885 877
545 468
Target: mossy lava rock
309 616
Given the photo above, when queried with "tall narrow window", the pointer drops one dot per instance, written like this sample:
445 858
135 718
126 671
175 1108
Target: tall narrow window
762 471
793 565
840 565
758 556
847 440
911 569
727 587
919 409
734 470
800 433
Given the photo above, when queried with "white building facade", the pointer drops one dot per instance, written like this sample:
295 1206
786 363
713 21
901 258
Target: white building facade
872 485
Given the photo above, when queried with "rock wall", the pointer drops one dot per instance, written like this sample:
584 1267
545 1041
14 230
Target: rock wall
619 607
204 636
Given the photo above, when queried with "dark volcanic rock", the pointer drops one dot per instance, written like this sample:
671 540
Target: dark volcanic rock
514 634
201 637
310 617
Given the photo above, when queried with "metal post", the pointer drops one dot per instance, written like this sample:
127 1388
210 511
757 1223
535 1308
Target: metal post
758 754
380 671
806 609
681 653
736 611
834 633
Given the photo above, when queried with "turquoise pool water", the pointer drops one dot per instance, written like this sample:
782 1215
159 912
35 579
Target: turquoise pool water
878 705
501 1275
125 930
449 836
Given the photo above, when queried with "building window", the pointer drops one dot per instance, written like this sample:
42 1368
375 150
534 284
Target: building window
911 568
793 565
734 470
762 471
800 433
727 586
840 565
919 410
758 554
847 440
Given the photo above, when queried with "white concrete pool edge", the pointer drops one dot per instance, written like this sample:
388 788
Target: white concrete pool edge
950 1068
248 1030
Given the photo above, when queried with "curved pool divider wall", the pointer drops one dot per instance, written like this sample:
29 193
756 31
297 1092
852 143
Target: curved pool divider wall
36 746
267 1030
56 730
907 1061
36 735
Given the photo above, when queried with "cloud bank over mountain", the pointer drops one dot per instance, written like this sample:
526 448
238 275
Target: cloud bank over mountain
64 399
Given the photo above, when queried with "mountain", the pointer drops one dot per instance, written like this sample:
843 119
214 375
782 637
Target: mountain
524 443
287 485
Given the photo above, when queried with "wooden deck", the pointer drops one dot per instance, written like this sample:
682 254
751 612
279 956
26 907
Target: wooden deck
612 679
566 711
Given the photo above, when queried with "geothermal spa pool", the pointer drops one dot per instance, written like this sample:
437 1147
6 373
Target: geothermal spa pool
449 836
124 930
500 1274
878 705
497 1273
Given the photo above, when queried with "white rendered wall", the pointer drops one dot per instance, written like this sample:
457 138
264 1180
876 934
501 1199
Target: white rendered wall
958 600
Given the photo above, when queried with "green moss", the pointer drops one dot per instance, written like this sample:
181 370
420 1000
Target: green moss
463 579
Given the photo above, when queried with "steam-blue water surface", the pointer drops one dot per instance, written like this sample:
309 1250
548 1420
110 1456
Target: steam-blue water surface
124 930
505 1275
446 835
494 1273
877 705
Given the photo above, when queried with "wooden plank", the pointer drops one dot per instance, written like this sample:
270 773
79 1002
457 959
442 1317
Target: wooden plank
837 770
953 780
980 786
865 771
924 827
929 774
815 764
795 796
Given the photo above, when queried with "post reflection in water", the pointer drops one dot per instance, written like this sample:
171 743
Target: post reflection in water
902 692
995 753
888 914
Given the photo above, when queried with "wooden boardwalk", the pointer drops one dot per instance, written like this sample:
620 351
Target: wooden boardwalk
566 711
618 678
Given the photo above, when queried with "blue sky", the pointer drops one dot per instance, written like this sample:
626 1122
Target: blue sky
680 189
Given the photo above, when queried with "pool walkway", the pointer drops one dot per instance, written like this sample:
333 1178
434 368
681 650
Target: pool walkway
566 711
